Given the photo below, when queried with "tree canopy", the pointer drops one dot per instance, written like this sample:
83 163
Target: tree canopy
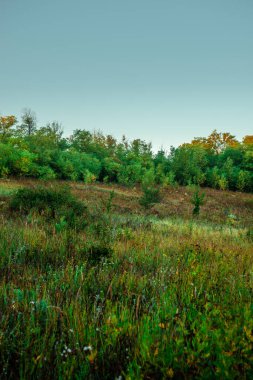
26 149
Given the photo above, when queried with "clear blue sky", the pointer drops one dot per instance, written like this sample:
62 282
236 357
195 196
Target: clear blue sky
161 70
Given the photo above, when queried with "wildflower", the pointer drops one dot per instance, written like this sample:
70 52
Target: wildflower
87 348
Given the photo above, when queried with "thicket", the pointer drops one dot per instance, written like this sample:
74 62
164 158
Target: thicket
57 204
218 161
61 213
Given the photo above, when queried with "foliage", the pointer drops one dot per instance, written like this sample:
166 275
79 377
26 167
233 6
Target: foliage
151 193
168 298
216 142
197 200
6 125
28 150
188 164
54 203
88 176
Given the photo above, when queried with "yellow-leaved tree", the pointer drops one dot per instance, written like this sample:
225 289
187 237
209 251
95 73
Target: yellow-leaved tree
6 124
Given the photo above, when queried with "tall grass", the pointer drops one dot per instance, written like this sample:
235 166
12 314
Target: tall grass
172 299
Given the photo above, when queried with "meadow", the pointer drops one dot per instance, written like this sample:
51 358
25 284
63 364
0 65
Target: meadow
126 292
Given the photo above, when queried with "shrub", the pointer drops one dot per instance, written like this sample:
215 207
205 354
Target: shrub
170 179
151 194
243 181
54 203
223 183
88 177
197 200
46 173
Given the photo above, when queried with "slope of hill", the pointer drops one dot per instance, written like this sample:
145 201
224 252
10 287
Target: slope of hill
133 293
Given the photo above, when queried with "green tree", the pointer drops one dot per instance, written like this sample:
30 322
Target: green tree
197 200
150 192
188 163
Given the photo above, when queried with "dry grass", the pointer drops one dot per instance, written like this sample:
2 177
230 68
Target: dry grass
172 300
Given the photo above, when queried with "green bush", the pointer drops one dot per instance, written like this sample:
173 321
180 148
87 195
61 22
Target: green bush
197 200
54 203
151 193
150 196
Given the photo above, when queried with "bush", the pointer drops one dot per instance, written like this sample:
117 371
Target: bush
197 200
151 194
243 181
170 179
88 177
54 203
223 183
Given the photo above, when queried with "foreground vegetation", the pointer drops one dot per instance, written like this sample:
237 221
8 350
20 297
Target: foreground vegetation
106 289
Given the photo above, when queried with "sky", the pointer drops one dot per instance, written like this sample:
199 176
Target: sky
164 71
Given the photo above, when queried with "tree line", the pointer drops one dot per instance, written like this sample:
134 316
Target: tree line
28 150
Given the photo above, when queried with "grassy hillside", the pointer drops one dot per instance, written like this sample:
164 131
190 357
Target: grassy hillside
134 293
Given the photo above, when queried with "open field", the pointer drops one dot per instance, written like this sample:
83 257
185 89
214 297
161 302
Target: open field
135 294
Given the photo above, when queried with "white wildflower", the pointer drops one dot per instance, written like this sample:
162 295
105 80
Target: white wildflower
87 348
